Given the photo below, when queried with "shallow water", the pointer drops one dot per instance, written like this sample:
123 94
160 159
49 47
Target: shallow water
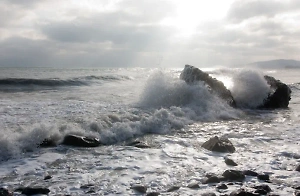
149 105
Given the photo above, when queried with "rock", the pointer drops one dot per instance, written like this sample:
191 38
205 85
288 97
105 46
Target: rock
297 193
219 145
139 188
48 142
211 179
47 177
298 168
229 162
138 144
191 74
80 141
5 192
208 194
234 175
222 186
280 97
242 192
33 190
152 194
250 173
262 189
264 177
173 188
193 186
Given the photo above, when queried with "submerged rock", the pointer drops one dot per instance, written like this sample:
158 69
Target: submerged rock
33 190
139 188
191 74
219 145
138 144
81 141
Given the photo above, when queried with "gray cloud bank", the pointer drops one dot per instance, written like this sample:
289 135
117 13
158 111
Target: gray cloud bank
37 33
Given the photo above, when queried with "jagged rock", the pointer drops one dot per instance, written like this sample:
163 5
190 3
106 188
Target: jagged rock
219 145
5 192
230 162
47 177
262 189
33 190
280 96
80 141
139 188
222 186
234 175
191 74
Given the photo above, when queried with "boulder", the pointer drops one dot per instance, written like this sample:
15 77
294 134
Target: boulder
191 74
280 96
229 162
219 145
234 175
298 168
81 141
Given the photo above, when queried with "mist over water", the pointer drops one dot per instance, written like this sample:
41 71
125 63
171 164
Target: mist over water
122 105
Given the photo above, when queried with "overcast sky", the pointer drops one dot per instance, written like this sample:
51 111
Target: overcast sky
147 33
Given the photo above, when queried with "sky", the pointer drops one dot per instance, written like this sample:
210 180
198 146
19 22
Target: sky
147 33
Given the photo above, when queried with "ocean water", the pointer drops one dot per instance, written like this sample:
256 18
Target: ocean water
150 105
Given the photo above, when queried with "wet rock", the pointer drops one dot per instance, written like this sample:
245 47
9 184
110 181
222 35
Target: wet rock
230 162
5 192
242 192
47 143
139 188
138 144
211 179
219 145
191 74
86 186
298 168
208 194
264 177
262 189
152 194
280 97
47 177
297 193
33 190
173 188
80 141
222 186
234 175
250 173
193 186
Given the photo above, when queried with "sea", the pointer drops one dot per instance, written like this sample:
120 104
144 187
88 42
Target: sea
155 107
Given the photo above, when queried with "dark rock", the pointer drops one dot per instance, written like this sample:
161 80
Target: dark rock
230 162
33 190
193 186
234 175
138 144
86 186
47 177
297 193
250 173
222 186
5 192
242 192
173 188
211 179
139 188
298 168
48 142
152 194
263 187
264 177
191 74
219 145
280 97
80 141
297 187
208 194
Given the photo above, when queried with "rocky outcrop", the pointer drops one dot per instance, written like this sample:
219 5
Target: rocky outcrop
192 74
81 141
219 145
278 98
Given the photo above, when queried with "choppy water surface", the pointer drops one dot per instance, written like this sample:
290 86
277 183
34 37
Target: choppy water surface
153 106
